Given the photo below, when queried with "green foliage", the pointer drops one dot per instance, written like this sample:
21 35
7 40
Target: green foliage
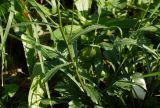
81 53
11 89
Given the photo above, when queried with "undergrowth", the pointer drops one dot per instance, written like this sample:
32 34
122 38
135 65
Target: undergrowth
80 53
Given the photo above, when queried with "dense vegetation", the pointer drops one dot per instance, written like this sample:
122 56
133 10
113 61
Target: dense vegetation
80 53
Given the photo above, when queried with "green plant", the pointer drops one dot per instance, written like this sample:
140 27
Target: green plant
90 53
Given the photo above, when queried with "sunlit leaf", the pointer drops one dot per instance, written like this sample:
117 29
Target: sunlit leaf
75 104
125 41
123 84
150 50
36 92
93 93
54 7
154 28
83 5
139 86
67 30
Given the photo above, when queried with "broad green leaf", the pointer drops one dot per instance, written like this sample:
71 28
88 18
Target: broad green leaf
123 84
36 92
93 93
53 71
67 30
138 86
11 89
48 52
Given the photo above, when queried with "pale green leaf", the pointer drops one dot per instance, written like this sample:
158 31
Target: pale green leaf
83 5
36 92
125 41
154 28
67 30
76 104
54 7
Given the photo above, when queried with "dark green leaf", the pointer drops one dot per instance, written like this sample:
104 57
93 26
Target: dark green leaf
11 89
93 94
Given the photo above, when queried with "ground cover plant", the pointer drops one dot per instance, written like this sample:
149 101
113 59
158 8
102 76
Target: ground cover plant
80 53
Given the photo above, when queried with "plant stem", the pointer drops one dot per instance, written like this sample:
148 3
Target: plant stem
69 46
4 38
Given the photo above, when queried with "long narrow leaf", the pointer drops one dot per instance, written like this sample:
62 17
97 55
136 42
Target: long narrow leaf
152 74
11 15
88 29
53 71
74 80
